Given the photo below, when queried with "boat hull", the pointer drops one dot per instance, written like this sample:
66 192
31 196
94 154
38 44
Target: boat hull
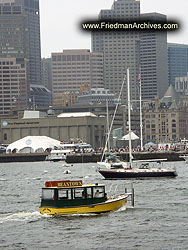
107 206
110 174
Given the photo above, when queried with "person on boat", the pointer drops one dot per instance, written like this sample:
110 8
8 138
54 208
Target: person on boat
97 193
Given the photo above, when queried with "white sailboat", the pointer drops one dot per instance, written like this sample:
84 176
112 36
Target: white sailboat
130 171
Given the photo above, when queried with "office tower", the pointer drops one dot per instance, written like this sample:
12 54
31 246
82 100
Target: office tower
13 84
153 59
73 68
120 49
28 10
20 38
47 73
177 61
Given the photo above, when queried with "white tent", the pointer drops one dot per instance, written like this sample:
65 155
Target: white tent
133 137
31 144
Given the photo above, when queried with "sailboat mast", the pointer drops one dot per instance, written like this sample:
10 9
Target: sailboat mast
107 125
141 124
129 118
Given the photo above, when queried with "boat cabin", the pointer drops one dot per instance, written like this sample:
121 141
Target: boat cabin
71 193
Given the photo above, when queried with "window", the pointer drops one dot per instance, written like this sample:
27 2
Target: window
64 194
89 192
48 194
79 193
53 58
98 192
5 137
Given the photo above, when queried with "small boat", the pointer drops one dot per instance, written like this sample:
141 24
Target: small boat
67 171
58 155
185 157
74 197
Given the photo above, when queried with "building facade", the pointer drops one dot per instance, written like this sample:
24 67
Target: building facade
177 61
165 124
89 129
73 68
97 95
153 59
120 49
40 97
66 99
181 84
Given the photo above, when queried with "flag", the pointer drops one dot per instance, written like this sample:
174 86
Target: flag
139 80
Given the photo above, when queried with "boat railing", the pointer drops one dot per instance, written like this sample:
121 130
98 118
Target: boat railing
120 188
115 188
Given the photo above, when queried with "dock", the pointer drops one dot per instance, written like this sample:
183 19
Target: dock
17 157
95 157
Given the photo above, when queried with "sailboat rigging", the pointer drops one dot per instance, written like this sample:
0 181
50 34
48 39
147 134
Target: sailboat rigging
112 161
129 171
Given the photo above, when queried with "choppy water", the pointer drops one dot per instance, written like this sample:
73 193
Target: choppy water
158 221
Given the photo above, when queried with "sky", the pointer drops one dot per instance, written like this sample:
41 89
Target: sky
60 21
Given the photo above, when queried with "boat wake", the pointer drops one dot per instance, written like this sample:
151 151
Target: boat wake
21 216
123 208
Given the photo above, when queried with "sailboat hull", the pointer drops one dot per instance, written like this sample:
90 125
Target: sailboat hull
140 173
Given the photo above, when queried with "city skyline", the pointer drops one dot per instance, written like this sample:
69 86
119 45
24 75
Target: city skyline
60 21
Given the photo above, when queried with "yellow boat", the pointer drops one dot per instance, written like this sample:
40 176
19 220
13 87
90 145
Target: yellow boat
74 197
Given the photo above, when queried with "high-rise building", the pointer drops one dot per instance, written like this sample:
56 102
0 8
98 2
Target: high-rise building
120 49
20 37
177 61
13 84
153 59
73 68
29 11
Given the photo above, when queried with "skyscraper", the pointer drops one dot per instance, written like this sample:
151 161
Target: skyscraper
177 61
29 11
120 49
20 42
153 59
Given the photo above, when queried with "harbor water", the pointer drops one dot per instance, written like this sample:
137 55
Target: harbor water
158 220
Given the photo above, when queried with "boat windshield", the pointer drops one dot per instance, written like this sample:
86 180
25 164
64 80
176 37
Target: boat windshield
113 160
48 194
